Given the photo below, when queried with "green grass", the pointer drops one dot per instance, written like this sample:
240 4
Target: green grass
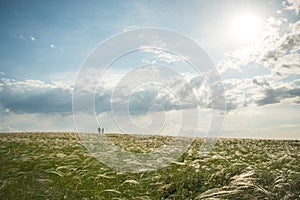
57 166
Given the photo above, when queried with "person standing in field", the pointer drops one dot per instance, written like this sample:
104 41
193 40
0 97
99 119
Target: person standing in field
99 129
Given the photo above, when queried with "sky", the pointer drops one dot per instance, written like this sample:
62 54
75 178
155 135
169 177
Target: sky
254 46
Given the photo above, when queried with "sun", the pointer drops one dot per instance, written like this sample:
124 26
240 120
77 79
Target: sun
245 28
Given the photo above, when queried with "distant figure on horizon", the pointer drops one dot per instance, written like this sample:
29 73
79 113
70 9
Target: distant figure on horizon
102 130
99 129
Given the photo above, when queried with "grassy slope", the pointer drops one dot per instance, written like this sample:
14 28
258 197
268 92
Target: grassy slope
57 166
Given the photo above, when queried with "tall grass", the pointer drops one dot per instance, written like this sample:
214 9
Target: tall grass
57 166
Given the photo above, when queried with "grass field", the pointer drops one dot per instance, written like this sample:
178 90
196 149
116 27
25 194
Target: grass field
57 166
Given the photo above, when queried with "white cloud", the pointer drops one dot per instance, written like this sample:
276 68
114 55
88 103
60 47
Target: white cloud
129 28
158 48
279 46
32 38
53 46
277 57
293 5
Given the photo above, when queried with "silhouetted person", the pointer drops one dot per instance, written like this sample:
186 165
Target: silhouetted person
99 129
102 130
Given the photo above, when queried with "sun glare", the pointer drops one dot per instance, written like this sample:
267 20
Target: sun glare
245 28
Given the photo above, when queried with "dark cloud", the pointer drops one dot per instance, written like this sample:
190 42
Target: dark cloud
291 65
272 96
260 82
288 44
34 97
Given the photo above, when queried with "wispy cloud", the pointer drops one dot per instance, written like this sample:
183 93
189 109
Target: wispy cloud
293 5
129 28
32 38
158 48
53 46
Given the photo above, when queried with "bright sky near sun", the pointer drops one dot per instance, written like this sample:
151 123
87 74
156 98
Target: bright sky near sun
255 45
246 27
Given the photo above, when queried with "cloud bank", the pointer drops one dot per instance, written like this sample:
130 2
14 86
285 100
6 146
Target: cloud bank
35 96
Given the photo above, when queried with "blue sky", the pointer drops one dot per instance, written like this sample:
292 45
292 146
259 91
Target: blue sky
76 27
44 43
